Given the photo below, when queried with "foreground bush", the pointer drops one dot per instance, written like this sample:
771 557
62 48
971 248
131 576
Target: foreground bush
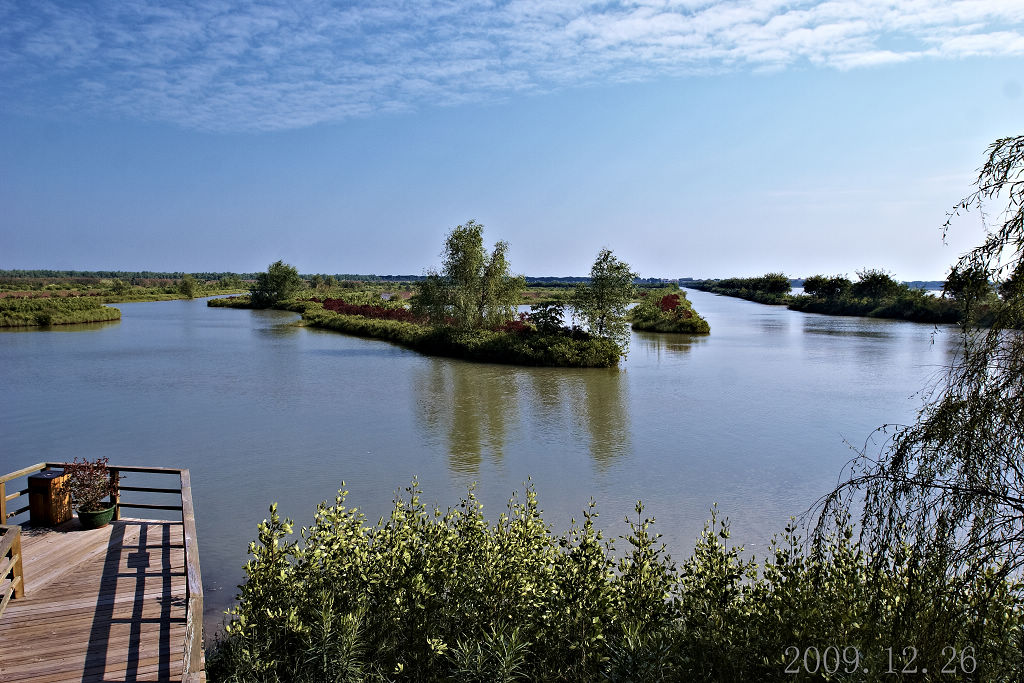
426 595
31 312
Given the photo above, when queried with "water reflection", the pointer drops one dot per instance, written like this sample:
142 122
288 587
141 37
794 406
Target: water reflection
74 327
275 323
468 410
599 399
773 321
655 343
846 328
468 407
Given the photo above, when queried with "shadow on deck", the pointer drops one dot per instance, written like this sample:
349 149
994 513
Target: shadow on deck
106 605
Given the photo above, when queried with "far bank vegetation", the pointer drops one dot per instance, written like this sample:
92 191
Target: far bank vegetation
876 294
40 298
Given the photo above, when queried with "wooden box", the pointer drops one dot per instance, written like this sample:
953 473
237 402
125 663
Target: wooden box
49 501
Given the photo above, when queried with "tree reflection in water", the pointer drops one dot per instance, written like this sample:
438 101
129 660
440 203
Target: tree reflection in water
467 406
656 343
476 411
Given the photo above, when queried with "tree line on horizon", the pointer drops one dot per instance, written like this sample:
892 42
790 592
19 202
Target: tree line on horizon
23 274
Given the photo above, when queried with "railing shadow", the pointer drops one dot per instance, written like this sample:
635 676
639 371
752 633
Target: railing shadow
132 560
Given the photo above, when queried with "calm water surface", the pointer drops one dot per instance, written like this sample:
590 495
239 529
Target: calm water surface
758 417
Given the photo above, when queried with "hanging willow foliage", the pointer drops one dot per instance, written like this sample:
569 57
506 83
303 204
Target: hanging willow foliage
951 486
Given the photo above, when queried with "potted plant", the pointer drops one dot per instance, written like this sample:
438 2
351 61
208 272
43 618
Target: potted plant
90 483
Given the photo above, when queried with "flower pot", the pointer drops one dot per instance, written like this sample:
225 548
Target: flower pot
96 518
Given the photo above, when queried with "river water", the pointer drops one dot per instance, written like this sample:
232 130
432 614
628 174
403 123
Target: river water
759 417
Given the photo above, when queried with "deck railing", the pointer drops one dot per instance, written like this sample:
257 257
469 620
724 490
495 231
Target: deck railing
193 646
10 564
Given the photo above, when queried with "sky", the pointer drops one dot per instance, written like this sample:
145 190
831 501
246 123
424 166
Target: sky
693 138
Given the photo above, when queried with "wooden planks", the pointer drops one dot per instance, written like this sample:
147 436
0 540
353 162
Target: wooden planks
101 605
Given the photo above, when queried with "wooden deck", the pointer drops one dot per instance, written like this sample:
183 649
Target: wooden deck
121 603
102 605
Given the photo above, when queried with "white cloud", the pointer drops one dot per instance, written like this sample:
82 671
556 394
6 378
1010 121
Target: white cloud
248 66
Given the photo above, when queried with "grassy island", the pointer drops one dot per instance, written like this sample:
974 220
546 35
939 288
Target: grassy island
468 309
516 343
42 312
667 310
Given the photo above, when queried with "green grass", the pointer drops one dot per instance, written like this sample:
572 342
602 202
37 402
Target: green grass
38 312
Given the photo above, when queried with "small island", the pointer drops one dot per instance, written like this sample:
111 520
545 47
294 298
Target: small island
42 312
668 311
468 309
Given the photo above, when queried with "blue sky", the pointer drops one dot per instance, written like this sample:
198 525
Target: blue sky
693 138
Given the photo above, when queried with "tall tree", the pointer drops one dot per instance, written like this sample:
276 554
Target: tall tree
602 302
188 287
280 282
826 287
775 283
875 283
474 289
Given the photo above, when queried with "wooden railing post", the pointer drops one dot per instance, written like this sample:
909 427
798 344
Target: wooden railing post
193 660
115 497
10 564
3 502
18 577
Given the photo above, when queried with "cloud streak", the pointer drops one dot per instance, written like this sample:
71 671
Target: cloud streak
255 66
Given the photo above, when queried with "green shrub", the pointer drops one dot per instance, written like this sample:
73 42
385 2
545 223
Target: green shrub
769 288
188 287
432 595
243 301
875 283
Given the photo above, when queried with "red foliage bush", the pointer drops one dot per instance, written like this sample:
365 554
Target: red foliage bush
371 311
669 302
518 325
